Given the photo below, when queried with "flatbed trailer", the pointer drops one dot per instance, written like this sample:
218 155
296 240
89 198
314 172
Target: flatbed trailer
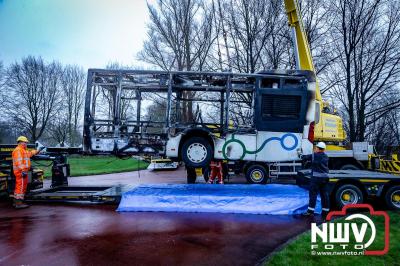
355 186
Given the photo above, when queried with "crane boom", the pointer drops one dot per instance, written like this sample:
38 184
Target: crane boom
328 125
301 46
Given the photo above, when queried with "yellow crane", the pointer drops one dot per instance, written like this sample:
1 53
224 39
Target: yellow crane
328 126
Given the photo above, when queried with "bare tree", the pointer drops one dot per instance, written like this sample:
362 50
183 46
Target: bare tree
317 22
354 46
31 94
2 75
58 130
385 132
257 35
180 36
278 51
73 81
1 71
250 24
8 134
366 39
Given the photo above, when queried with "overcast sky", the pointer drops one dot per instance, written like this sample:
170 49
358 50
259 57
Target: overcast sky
90 33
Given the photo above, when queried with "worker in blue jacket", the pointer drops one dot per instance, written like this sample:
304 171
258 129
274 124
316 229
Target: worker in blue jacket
319 180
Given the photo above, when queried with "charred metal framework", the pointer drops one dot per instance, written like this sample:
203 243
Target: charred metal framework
136 111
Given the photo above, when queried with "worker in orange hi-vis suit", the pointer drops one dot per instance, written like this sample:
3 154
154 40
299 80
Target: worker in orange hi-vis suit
21 165
216 171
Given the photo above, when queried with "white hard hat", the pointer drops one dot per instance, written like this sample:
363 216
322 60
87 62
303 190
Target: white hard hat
321 145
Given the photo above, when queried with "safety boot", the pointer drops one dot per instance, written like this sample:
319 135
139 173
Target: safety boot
324 214
19 204
308 213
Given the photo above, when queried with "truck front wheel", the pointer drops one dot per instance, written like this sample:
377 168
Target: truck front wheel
392 198
196 152
348 194
257 174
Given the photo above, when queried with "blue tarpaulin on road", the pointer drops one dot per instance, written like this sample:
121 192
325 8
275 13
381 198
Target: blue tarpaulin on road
273 199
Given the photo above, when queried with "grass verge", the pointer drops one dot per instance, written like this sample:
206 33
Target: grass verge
298 252
95 165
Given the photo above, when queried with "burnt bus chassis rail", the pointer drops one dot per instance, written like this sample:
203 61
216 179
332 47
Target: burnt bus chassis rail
173 84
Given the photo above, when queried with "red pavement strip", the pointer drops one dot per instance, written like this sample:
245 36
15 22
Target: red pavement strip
98 235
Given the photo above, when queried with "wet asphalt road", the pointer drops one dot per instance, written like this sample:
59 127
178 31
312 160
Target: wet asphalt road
98 235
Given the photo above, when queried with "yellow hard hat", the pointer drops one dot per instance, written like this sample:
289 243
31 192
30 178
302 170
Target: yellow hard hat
22 139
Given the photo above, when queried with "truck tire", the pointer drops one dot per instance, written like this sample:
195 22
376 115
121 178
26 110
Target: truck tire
392 198
349 167
257 174
196 152
191 175
348 194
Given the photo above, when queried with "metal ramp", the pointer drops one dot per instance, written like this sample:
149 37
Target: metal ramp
108 195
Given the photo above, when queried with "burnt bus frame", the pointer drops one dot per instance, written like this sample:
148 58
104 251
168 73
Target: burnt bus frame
170 82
